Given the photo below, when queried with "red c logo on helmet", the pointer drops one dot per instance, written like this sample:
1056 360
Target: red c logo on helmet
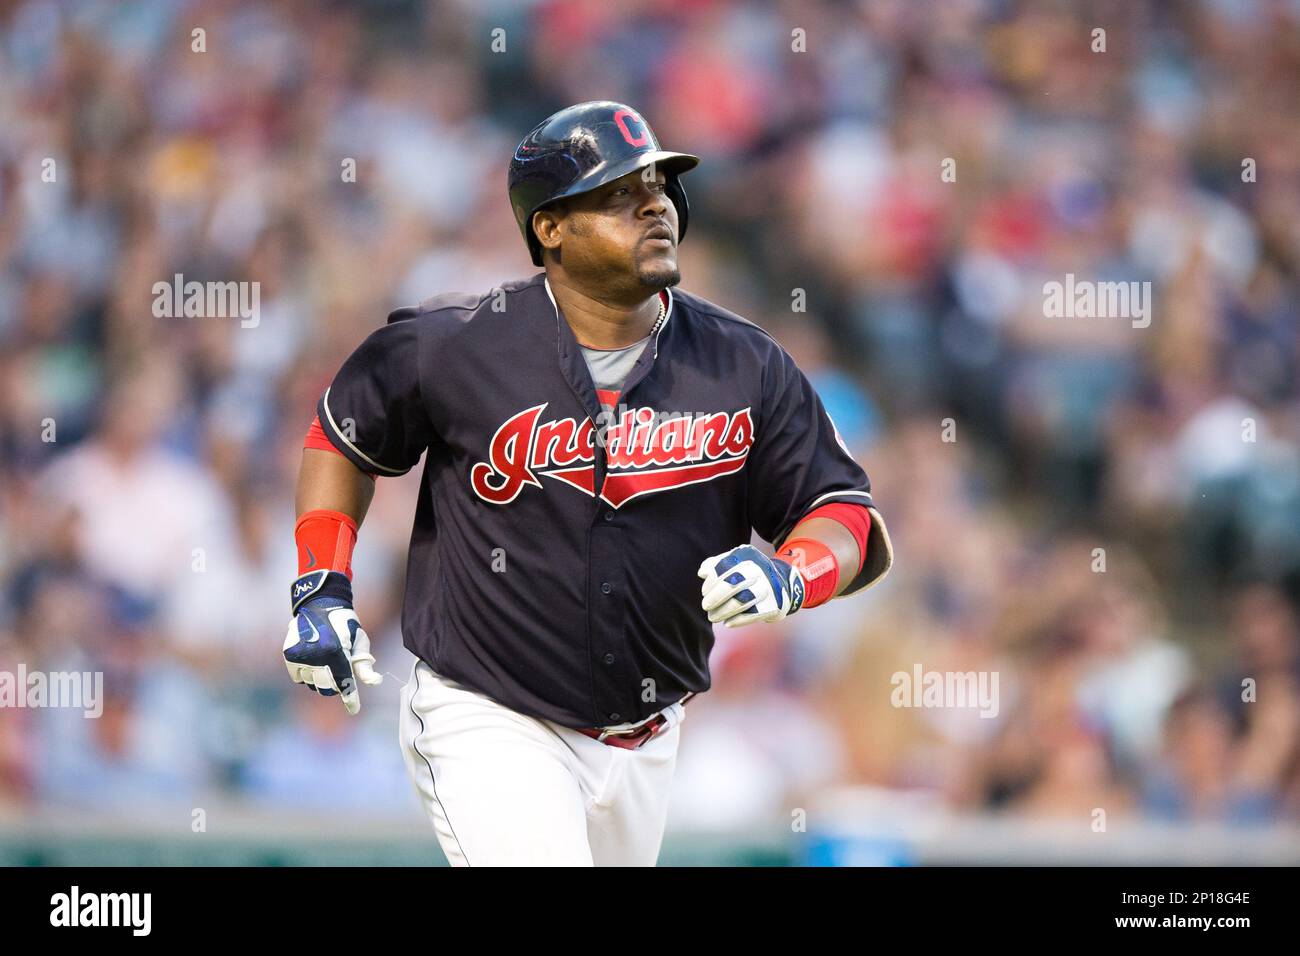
642 138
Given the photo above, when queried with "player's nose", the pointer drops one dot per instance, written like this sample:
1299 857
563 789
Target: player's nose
654 204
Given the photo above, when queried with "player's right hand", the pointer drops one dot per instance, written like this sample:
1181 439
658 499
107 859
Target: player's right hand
326 647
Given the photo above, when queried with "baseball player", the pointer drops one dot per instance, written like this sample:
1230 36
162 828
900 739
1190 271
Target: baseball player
599 449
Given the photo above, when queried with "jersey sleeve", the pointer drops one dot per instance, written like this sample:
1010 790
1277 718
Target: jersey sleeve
799 462
373 411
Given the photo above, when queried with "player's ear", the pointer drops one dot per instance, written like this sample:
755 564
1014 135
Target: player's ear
546 226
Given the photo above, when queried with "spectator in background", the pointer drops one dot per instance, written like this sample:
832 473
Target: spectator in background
145 752
1202 777
148 517
324 761
1132 673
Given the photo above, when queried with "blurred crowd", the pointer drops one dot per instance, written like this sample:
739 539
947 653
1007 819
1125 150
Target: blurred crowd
1105 515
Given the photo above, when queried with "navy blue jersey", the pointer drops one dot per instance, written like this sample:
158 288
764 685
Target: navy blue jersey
555 546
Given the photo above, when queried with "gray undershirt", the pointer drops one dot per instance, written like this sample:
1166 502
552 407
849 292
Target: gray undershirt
611 367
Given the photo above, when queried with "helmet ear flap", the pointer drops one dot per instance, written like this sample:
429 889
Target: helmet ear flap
677 194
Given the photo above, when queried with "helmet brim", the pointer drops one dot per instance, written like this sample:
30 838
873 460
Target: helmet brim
673 164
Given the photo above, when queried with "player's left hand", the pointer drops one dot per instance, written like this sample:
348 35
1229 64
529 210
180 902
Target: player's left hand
744 585
326 647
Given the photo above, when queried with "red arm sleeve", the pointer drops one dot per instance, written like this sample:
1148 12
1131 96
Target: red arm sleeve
854 517
316 438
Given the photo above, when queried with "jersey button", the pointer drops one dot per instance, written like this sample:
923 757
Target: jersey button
609 516
609 658
615 716
606 588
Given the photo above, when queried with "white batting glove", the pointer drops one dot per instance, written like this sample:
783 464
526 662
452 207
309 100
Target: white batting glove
744 586
326 648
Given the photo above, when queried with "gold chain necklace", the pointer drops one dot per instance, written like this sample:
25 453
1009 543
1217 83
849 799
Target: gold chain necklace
663 314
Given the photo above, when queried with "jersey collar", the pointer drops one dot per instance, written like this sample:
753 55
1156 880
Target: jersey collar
546 282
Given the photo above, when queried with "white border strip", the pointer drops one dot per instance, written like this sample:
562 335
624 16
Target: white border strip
325 403
834 494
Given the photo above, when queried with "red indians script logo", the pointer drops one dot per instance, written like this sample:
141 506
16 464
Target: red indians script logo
645 452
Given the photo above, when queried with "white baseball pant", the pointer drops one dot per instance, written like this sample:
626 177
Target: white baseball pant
505 789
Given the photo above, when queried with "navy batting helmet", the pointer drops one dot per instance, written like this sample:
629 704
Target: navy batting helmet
581 148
